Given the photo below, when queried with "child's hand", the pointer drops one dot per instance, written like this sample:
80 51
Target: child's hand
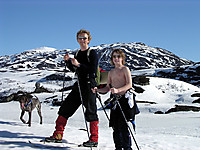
114 90
94 90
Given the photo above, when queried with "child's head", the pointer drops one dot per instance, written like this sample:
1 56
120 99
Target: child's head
118 53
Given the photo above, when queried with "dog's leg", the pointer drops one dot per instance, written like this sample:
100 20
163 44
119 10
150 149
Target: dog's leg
21 117
39 112
29 120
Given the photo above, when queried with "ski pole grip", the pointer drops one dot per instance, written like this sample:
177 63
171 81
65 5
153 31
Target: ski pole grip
112 87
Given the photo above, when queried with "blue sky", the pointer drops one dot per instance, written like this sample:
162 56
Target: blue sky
170 24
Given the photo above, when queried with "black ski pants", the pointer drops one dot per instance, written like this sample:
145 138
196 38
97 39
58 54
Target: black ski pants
121 135
73 101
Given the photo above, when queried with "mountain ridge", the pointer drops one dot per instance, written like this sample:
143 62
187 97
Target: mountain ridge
44 66
138 56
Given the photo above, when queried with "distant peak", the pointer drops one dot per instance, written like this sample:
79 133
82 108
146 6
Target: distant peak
43 49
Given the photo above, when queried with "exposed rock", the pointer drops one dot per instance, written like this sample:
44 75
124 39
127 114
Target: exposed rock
198 70
148 102
183 108
159 112
40 89
189 74
15 96
58 77
138 89
51 97
196 101
66 88
141 80
44 65
56 102
195 95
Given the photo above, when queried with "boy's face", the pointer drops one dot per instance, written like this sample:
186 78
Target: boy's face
117 58
83 39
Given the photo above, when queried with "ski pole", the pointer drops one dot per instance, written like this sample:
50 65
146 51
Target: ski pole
99 97
127 122
79 88
117 97
63 82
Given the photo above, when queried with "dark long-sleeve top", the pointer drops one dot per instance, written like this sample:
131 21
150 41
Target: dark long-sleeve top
88 68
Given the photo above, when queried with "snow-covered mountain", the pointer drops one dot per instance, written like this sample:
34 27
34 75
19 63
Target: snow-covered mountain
156 75
139 56
21 72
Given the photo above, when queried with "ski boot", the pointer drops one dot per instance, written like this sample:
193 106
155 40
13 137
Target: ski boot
52 139
89 144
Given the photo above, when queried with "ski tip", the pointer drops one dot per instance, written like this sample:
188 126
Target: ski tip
80 145
43 140
83 129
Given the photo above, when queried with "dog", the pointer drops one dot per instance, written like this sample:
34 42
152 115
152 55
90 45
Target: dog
28 103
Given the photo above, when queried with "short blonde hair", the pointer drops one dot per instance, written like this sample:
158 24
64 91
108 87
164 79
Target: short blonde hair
84 31
121 53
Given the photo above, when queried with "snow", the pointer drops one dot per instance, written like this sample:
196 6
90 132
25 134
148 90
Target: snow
177 131
154 132
42 49
168 91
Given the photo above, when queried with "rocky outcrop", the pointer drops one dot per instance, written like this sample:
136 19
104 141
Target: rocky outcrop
183 108
189 74
40 89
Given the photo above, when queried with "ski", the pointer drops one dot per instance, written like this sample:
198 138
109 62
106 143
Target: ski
86 148
82 146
